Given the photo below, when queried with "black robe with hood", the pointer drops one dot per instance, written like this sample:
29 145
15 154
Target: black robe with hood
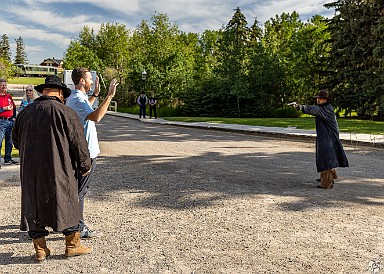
329 150
51 144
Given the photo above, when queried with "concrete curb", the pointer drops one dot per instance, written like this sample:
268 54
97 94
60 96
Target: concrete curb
345 137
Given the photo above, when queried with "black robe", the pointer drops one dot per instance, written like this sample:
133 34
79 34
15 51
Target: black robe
51 144
329 150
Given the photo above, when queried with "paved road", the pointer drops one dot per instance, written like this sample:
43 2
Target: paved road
346 137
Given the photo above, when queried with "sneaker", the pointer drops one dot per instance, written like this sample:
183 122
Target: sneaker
86 233
10 162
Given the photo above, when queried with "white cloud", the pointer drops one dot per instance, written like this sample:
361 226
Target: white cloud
54 21
13 30
35 49
271 8
40 23
126 6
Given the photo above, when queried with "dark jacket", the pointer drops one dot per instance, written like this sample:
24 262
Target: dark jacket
329 150
51 144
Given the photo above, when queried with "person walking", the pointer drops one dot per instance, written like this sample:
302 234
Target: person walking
82 105
29 96
7 118
329 150
152 106
52 146
142 100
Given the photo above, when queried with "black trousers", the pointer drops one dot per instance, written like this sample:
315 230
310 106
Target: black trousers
142 111
43 232
154 111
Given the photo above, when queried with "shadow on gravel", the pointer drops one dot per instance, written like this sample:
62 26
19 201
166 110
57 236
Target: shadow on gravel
178 186
9 258
11 234
187 182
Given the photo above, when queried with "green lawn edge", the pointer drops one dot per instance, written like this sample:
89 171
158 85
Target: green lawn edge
345 124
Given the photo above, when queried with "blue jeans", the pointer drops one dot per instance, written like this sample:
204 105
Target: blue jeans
83 186
6 133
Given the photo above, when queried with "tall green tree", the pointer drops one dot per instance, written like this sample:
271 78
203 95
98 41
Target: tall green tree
198 97
111 46
5 48
106 52
315 48
160 48
78 55
5 57
234 59
21 56
281 42
356 80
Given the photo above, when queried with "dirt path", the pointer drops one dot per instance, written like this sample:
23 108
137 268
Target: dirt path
179 200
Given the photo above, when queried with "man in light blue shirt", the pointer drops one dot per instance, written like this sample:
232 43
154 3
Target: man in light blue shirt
82 104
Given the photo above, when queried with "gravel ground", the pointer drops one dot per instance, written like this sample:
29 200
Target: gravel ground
184 200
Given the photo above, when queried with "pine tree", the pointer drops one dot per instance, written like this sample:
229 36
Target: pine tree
234 48
21 54
356 79
5 58
5 49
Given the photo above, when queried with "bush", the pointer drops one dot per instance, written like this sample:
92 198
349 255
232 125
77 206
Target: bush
287 112
167 111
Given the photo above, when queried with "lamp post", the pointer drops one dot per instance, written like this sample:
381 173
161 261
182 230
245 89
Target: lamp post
144 78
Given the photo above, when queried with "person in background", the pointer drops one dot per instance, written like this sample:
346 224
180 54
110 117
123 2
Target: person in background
329 150
29 96
82 105
7 118
142 100
152 106
52 146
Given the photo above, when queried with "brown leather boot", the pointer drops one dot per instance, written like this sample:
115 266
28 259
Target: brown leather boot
326 179
73 246
42 251
334 173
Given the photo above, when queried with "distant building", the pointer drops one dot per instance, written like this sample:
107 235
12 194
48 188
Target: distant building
52 62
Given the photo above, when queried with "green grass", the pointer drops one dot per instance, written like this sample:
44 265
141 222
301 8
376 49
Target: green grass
26 80
345 124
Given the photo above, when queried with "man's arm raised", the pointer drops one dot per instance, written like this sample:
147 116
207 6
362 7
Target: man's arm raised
99 113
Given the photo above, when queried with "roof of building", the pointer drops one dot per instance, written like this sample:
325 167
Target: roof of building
58 62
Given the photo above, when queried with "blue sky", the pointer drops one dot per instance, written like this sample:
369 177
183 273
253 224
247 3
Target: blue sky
47 26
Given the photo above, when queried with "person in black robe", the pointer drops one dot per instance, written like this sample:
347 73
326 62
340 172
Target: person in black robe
52 146
329 150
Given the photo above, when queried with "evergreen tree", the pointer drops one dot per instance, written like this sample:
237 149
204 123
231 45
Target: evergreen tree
21 54
234 61
357 38
5 49
6 70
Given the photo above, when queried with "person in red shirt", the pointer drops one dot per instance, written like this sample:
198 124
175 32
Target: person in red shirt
7 118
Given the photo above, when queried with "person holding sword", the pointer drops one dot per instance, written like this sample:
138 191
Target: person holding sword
81 103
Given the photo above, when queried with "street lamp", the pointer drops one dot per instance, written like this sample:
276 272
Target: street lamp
144 77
